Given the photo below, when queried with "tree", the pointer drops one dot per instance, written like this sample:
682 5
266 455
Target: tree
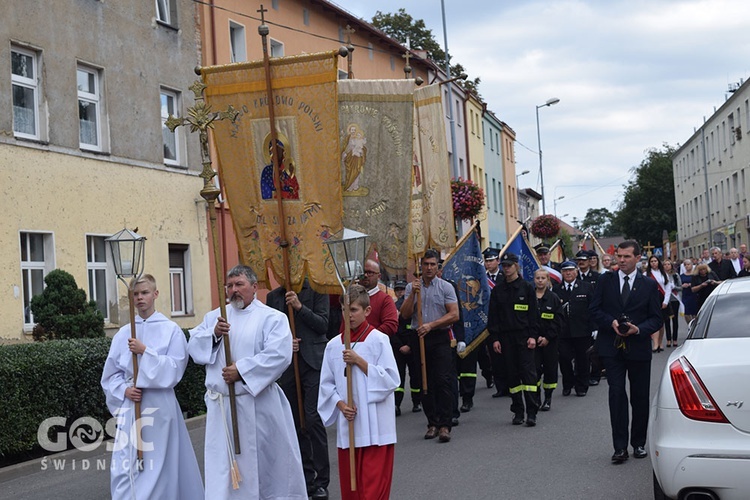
599 222
61 311
648 206
401 26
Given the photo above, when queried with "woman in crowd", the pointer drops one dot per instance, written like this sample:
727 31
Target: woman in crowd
689 299
745 271
672 325
703 283
655 271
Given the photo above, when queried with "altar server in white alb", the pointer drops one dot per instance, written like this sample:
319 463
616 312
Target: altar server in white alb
261 345
170 469
373 411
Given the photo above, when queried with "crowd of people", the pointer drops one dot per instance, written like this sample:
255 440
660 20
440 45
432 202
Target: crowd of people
585 319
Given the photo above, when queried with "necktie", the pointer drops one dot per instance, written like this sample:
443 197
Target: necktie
570 287
625 289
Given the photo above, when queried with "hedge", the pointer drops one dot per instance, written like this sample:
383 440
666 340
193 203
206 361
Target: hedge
62 378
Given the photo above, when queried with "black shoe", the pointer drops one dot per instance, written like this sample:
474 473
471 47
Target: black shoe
416 408
490 383
467 406
640 452
545 406
620 456
530 420
398 411
320 493
518 420
500 394
580 394
566 392
593 381
454 422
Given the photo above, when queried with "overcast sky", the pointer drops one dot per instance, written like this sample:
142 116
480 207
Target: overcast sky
630 75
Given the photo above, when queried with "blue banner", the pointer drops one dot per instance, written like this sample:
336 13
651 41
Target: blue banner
526 258
465 267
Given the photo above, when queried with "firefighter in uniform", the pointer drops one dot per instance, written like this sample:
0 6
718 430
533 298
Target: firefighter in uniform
550 324
404 344
514 327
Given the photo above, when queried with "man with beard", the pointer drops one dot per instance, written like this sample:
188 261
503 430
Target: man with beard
269 465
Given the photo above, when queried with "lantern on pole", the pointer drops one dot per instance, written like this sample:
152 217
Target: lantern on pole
127 256
348 250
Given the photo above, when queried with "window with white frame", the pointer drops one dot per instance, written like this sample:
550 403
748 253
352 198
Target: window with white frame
37 259
170 105
277 48
101 282
25 89
237 42
180 289
166 12
89 107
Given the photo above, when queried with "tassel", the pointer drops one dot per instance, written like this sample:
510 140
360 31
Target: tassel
235 473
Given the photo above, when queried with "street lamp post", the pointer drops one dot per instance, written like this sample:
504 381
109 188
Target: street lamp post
519 175
555 203
348 250
550 102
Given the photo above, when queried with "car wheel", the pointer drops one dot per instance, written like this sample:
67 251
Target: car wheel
658 492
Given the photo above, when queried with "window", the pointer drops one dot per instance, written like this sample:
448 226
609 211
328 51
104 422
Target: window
237 42
371 54
170 105
277 48
166 12
343 75
101 283
393 64
179 280
89 108
25 89
37 252
306 17
275 4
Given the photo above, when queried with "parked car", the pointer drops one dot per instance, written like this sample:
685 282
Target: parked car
699 424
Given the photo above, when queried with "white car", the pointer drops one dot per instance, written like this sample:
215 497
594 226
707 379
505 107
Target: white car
699 423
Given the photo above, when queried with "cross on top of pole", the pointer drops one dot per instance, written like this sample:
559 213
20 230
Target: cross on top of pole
262 12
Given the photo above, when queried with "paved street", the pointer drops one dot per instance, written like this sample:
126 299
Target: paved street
566 456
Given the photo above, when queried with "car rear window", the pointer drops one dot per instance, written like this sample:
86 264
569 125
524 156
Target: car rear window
727 315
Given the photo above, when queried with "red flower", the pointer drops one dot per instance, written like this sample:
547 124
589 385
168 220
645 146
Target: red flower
545 226
468 199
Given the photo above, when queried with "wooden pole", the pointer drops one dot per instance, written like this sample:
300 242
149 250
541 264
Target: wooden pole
284 243
349 392
139 439
420 321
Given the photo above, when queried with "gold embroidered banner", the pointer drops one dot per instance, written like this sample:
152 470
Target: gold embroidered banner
376 157
306 112
432 223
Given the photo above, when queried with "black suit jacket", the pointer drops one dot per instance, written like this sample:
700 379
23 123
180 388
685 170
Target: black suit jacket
310 322
575 306
643 308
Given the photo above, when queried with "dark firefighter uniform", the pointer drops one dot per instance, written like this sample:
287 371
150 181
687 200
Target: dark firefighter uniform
405 336
513 319
550 325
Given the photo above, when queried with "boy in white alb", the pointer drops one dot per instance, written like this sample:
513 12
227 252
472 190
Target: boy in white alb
374 379
170 469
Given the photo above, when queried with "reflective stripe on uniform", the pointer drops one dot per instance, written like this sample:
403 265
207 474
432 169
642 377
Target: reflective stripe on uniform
550 386
548 315
467 375
516 389
520 307
529 388
415 390
399 389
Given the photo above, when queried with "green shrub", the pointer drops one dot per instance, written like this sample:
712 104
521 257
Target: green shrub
62 378
61 311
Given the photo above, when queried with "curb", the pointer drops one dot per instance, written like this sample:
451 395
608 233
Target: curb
22 469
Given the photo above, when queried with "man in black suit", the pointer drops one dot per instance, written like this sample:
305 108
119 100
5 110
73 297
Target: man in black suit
721 266
585 273
311 325
627 310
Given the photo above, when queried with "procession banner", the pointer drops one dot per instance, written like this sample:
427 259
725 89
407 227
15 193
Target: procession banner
527 260
305 106
557 252
465 267
376 122
432 224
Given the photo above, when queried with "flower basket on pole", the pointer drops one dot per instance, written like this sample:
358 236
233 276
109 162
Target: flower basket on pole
545 226
468 199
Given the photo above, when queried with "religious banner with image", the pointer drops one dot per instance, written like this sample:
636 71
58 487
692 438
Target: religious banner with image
431 218
375 118
305 96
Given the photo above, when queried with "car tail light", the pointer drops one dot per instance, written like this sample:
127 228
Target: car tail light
692 397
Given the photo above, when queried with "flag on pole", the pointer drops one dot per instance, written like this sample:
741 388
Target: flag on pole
465 267
527 260
375 118
305 105
431 219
